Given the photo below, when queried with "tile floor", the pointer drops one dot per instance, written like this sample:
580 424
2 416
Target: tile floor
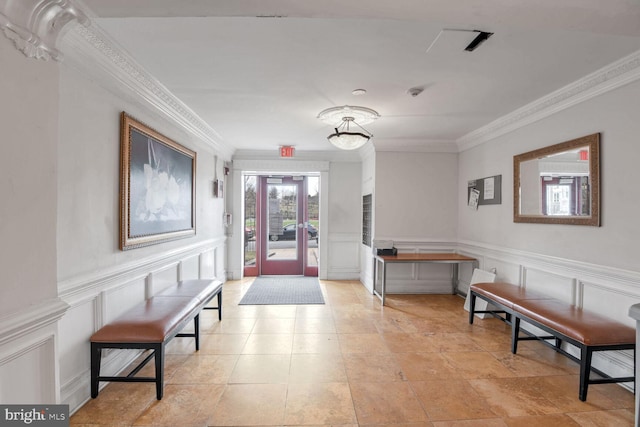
414 363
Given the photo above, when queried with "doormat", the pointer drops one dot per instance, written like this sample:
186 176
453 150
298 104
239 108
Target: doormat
283 290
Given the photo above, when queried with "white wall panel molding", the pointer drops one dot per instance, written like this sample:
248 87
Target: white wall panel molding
344 257
29 370
29 319
35 25
90 284
607 276
91 51
613 76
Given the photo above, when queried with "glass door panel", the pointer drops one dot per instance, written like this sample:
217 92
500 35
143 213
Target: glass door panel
284 225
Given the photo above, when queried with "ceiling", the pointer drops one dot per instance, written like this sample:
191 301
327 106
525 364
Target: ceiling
259 71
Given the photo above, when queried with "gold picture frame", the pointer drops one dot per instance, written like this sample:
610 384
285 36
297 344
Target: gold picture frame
157 187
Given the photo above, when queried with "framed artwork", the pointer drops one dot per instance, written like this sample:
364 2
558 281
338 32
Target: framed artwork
157 187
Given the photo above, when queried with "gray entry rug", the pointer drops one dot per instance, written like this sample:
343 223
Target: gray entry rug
283 290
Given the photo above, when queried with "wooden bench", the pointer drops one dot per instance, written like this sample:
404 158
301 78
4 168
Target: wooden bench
151 325
563 322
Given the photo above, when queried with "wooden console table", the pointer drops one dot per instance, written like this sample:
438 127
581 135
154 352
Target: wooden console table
443 258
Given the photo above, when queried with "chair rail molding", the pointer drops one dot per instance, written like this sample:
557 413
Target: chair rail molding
34 26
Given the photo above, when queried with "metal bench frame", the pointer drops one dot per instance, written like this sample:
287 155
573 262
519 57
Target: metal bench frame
156 350
513 318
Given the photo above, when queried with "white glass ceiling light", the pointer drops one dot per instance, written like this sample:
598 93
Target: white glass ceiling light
342 118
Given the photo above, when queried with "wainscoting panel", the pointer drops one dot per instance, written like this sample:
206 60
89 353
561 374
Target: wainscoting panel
604 290
560 287
28 348
190 268
29 372
100 297
117 300
617 302
344 261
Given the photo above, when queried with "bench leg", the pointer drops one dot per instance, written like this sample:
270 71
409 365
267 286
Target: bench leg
585 370
196 329
515 333
220 305
472 307
96 356
159 360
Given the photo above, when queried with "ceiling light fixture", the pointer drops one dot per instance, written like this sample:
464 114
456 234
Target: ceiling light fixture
347 140
342 118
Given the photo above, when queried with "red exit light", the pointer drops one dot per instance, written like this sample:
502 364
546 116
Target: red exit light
287 151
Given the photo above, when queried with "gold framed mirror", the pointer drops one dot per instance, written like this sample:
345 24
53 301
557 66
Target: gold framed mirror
559 184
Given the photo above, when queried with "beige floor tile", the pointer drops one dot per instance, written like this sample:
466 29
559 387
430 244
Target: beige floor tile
314 325
383 403
355 326
265 325
555 420
319 404
183 405
222 343
478 365
494 422
615 418
368 368
117 404
204 369
353 362
409 343
269 344
427 366
451 400
563 391
455 342
514 397
362 343
232 326
316 343
261 369
434 324
317 368
530 363
250 405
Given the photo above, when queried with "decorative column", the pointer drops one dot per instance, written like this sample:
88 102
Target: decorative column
34 26
634 312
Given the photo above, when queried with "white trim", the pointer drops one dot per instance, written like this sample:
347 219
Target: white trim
606 79
99 279
93 52
20 323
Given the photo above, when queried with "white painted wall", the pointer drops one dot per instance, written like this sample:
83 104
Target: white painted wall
29 306
614 244
96 278
414 196
344 220
29 123
89 165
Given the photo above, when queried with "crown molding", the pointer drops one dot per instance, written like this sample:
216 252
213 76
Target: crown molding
34 26
608 78
89 49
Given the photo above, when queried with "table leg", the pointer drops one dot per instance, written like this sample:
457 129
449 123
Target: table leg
375 275
384 281
454 278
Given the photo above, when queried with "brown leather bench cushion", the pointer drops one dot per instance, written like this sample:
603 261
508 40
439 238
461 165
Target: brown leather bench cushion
505 294
200 289
583 326
150 322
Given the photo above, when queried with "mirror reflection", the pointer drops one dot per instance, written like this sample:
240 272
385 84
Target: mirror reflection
558 184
